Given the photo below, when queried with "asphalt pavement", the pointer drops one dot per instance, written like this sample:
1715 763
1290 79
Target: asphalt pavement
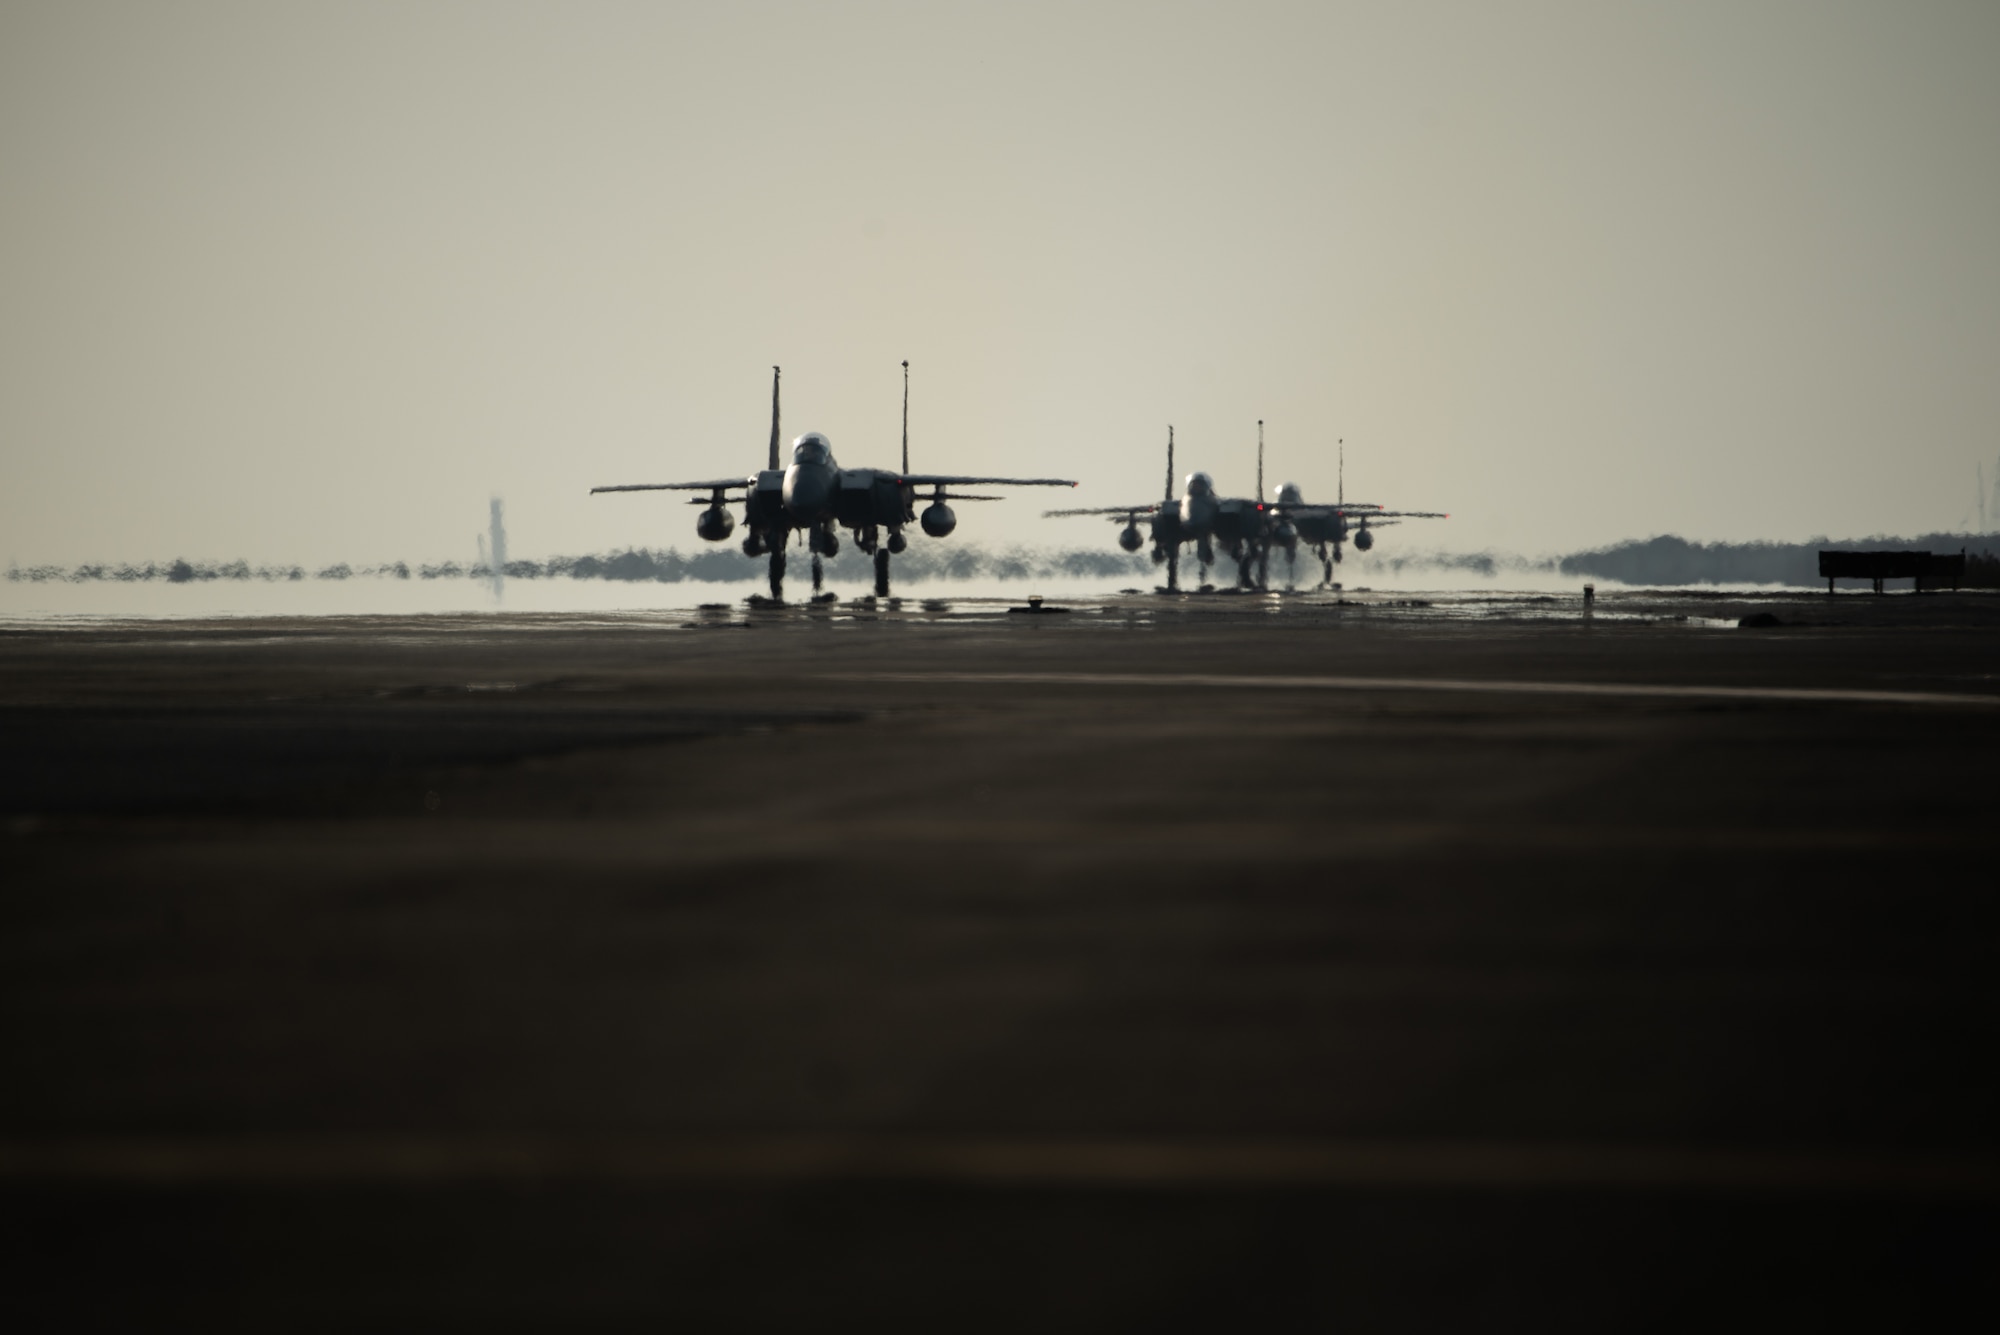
1426 962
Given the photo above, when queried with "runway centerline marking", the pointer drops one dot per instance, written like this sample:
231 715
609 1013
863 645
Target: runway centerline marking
1105 1163
1634 690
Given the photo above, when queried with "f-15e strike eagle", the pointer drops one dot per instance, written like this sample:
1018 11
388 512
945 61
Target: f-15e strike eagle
1247 529
816 496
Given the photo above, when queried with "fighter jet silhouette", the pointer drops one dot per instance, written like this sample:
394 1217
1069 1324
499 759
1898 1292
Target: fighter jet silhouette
815 496
1325 528
1246 529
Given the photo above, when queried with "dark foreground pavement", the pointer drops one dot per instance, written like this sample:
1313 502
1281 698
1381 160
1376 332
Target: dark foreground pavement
927 968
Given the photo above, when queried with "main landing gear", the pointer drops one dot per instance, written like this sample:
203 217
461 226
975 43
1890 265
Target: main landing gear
1253 568
870 540
1326 561
824 543
819 542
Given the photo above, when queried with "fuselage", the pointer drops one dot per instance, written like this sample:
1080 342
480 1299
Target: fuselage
811 480
816 490
1202 516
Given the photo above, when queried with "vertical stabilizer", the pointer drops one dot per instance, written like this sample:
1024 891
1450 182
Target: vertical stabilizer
774 418
1170 463
1260 459
906 416
1340 496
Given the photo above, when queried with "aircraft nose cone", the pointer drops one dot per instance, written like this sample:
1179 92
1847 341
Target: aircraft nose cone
807 489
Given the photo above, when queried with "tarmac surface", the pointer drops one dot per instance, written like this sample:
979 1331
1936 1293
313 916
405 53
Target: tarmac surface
1397 963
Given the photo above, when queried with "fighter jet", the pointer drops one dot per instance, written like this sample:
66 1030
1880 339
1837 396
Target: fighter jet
815 496
1325 528
1241 528
1247 529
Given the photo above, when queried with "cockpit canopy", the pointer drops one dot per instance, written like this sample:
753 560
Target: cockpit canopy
812 448
1200 484
1289 494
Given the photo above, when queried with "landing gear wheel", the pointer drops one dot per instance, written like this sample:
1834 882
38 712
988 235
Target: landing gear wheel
777 574
881 574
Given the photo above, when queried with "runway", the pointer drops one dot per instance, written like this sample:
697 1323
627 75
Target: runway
1451 685
1103 1162
1396 963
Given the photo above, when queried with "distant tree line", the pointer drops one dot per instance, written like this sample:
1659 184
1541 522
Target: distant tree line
1676 561
172 572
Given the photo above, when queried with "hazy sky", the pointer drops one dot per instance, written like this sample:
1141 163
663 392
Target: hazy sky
311 282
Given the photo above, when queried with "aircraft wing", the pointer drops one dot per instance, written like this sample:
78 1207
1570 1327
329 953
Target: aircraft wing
1327 507
1371 513
1119 511
724 485
953 480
